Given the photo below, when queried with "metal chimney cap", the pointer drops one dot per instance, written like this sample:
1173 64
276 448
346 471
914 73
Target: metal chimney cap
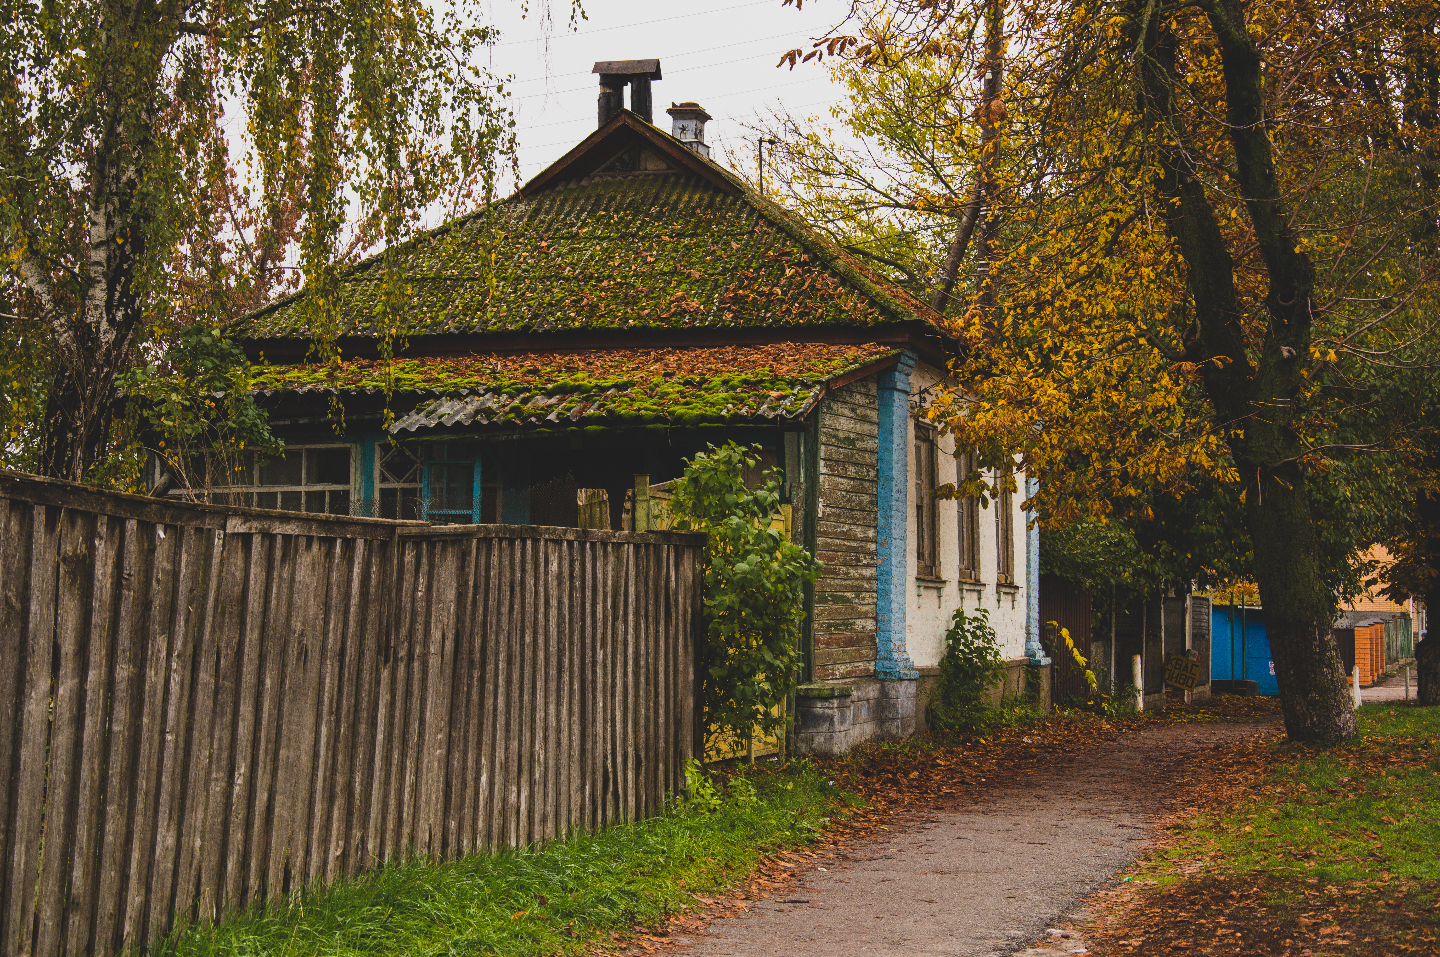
646 68
689 109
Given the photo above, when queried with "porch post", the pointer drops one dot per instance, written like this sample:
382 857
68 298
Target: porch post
1034 650
892 663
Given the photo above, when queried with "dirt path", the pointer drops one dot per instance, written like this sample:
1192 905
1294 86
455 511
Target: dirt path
991 878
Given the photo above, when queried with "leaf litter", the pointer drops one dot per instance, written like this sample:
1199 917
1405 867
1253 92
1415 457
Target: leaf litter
892 784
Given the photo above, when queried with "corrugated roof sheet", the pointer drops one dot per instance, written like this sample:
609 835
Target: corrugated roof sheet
692 386
628 252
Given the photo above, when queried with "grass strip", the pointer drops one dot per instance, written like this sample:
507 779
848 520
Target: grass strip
553 899
1328 851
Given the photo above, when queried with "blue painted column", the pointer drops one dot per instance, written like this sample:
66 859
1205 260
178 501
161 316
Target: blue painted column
892 663
1034 650
369 503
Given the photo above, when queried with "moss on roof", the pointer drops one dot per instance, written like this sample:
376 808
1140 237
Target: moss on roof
637 252
675 386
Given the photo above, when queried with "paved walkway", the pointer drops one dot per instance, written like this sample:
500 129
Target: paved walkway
1390 689
989 879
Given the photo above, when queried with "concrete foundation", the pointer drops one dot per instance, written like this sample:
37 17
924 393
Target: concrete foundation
833 716
1016 683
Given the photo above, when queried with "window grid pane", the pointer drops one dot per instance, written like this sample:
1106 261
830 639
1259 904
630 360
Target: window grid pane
398 474
292 482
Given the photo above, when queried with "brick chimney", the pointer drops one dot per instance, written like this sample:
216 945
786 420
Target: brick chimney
688 126
615 75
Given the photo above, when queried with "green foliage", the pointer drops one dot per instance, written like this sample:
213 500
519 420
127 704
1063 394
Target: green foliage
24 375
970 667
561 898
750 658
1121 703
701 794
194 404
163 165
1343 814
1017 711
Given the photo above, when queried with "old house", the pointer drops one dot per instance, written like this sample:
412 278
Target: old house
628 305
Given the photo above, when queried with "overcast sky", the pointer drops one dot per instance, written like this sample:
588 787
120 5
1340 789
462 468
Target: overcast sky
722 56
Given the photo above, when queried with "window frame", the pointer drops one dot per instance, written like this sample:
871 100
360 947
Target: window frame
446 516
967 523
248 493
384 451
927 507
1005 531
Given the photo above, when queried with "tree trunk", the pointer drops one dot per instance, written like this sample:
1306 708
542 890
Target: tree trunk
1253 398
990 117
79 409
1427 532
1299 611
1427 670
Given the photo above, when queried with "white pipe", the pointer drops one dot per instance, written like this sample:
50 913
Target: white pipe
1355 685
1137 671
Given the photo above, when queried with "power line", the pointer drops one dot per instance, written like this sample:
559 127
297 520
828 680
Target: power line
719 97
631 26
672 56
707 66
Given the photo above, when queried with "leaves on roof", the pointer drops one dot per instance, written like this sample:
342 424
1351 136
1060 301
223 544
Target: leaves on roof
649 252
676 386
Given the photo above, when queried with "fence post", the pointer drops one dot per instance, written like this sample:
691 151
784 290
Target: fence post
1137 675
642 502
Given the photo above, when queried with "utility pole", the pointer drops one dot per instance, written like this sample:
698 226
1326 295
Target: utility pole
761 146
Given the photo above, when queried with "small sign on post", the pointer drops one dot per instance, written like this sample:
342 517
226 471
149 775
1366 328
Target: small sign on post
1182 672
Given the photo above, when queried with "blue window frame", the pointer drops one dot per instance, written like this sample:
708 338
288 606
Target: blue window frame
450 490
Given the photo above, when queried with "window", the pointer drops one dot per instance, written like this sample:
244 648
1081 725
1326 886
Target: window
399 481
927 564
453 488
1005 530
969 508
307 478
450 493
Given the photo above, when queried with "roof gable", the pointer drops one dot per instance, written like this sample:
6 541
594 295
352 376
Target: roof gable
627 144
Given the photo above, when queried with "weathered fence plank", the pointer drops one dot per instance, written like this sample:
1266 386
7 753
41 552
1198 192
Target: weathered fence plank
202 708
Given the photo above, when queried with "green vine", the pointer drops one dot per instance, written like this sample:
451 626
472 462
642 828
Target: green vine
971 666
195 409
750 657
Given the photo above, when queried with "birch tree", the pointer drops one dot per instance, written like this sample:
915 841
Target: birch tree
177 160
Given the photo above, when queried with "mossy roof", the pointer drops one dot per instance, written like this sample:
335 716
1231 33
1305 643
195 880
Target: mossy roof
690 386
648 249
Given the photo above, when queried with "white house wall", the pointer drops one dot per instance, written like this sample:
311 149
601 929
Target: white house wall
931 605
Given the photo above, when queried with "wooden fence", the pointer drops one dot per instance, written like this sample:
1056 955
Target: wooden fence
201 708
1065 605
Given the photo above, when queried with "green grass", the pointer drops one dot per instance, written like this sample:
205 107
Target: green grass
1318 852
553 899
1358 813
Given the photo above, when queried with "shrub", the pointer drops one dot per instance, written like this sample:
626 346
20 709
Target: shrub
971 666
750 656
